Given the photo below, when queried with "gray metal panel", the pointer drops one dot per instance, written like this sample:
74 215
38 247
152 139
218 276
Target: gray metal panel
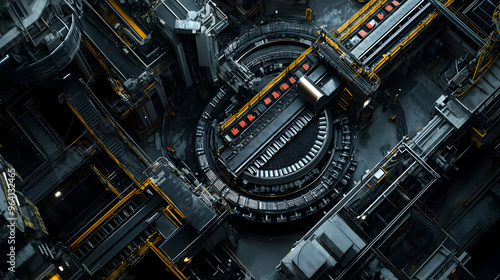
178 241
123 63
195 210
48 179
243 158
121 237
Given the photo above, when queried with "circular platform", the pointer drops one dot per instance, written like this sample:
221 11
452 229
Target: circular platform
301 166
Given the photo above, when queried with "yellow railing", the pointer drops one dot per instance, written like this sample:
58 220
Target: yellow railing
97 55
167 262
374 8
485 54
170 213
254 99
407 39
119 270
173 208
106 181
154 238
332 43
104 218
104 146
130 22
355 16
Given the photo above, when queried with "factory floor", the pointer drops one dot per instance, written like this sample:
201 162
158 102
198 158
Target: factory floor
261 253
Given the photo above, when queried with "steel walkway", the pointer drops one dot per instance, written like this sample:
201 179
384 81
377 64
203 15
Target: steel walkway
114 142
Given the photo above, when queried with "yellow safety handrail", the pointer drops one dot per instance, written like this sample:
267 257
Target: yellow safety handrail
332 43
113 275
174 208
169 212
139 251
407 39
106 181
308 14
167 262
104 146
363 19
130 22
97 55
355 16
104 218
485 54
254 99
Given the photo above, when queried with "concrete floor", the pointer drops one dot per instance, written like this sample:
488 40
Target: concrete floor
262 253
333 13
373 142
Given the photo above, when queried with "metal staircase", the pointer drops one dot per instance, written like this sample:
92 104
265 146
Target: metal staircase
102 127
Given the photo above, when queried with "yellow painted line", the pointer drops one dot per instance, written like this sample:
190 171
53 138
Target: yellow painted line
261 93
128 19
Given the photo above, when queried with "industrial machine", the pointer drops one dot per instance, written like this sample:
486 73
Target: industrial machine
91 191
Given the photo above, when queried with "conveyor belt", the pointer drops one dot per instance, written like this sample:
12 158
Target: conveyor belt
241 160
406 15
